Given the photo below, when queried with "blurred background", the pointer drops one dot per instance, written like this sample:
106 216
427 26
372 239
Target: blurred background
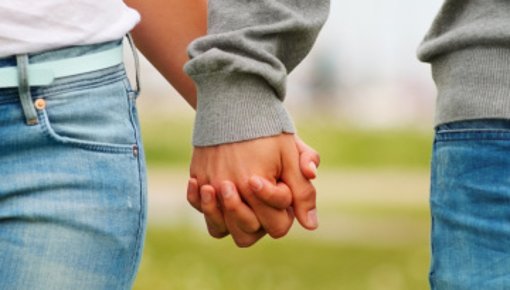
362 99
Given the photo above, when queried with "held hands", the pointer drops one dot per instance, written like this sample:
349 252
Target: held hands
255 187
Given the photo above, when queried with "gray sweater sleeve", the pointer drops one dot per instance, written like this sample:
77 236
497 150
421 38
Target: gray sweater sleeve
240 67
468 46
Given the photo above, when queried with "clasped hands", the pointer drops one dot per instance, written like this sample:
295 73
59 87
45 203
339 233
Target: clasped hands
253 188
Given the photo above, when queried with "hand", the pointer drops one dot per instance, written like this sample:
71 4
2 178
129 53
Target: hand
236 210
226 213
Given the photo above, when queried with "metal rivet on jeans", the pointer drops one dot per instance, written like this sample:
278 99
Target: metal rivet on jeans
135 150
40 104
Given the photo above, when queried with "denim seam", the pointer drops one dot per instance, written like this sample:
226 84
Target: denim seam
9 101
97 147
474 130
473 138
472 135
432 189
82 83
137 253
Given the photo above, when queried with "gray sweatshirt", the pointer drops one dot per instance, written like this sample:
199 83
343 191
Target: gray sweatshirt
468 46
240 67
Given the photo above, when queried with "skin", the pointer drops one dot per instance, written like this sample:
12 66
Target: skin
163 35
229 175
213 207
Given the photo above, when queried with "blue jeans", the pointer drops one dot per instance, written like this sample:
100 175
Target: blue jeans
73 186
470 204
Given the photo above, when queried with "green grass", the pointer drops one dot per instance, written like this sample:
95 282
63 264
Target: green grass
184 259
167 142
415 213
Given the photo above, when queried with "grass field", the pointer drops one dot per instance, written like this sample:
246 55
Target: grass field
372 203
185 260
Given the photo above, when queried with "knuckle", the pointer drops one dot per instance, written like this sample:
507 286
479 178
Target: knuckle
251 227
230 207
307 192
278 231
210 210
191 199
281 200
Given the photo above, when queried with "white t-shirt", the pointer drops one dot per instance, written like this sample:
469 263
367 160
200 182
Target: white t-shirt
36 25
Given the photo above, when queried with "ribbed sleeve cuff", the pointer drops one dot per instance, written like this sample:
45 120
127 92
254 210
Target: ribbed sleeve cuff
473 83
237 107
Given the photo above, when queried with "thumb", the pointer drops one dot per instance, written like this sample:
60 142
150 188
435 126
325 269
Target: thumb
309 159
303 192
277 195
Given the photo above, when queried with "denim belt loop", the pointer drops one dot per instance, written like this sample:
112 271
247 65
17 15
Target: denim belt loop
137 63
24 90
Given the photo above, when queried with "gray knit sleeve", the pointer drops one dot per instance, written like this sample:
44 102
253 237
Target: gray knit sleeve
240 67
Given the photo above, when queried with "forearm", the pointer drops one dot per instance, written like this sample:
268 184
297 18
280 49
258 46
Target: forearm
163 35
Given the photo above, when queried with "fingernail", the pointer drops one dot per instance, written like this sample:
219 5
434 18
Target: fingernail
205 196
313 167
227 191
313 221
256 183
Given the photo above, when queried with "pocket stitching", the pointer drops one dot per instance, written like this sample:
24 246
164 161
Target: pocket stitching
89 145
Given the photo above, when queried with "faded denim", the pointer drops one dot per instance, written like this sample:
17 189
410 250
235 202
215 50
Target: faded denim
470 203
73 186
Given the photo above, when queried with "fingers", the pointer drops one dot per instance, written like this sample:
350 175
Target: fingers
193 194
234 162
236 218
242 239
304 194
242 223
235 209
275 222
309 159
212 213
304 202
278 196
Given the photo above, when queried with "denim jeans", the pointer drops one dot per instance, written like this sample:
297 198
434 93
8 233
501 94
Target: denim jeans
73 186
470 204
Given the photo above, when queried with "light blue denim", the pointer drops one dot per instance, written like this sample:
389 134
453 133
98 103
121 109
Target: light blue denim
470 203
73 186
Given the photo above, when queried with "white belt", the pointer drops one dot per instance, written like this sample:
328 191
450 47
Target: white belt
44 73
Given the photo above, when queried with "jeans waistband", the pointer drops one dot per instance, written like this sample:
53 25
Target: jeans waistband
74 51
23 61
